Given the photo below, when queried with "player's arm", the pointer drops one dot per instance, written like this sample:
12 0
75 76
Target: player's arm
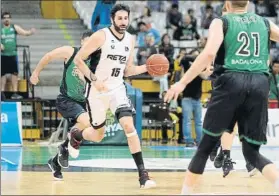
95 41
24 32
215 39
63 53
274 32
2 47
132 69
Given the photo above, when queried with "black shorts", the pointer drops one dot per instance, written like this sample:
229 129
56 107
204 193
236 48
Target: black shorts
242 98
9 65
69 108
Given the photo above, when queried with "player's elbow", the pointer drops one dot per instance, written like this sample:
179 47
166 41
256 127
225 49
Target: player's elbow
77 60
209 55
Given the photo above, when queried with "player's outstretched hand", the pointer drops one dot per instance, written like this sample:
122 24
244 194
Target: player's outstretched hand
208 71
34 79
100 86
174 91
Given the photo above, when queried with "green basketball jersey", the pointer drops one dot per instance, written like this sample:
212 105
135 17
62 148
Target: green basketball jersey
246 43
9 41
73 82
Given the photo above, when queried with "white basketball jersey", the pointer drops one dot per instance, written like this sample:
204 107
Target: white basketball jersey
115 53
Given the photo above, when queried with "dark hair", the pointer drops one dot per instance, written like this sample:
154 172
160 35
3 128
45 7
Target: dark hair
5 13
163 37
118 7
86 34
141 23
190 10
174 5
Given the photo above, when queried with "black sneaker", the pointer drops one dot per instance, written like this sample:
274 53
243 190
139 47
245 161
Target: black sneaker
227 166
218 161
73 145
63 156
145 181
213 154
56 169
251 169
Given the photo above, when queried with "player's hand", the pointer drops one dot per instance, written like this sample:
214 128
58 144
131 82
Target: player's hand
32 30
100 86
34 79
208 71
174 91
2 47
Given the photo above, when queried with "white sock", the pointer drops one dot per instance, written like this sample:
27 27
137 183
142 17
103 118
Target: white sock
184 190
277 184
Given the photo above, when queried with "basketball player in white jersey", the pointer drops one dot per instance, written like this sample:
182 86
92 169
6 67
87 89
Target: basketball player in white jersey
106 89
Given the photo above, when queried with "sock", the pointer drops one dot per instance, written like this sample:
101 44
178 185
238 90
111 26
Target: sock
78 135
227 153
139 161
277 184
184 190
65 143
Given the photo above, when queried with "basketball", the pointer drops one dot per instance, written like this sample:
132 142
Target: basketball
157 65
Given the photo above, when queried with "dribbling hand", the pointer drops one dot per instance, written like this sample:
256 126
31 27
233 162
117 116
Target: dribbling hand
174 91
34 79
100 86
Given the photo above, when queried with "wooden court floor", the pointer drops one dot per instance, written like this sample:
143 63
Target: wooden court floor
126 183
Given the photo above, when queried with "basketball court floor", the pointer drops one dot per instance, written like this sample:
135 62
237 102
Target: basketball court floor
102 170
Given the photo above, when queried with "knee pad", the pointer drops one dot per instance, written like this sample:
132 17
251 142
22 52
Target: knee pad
206 146
252 154
125 111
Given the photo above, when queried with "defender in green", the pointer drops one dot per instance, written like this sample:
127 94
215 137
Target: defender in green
9 59
240 93
71 102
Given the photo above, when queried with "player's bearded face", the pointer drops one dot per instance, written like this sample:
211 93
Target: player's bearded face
121 21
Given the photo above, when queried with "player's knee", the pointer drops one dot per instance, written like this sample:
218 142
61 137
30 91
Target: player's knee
206 146
252 154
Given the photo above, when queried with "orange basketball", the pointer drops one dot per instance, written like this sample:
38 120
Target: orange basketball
157 65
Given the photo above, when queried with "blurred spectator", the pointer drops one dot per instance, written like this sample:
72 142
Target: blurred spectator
9 58
191 103
204 7
219 7
145 17
144 31
174 17
274 81
186 31
167 49
191 13
208 17
147 50
261 8
177 73
174 116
